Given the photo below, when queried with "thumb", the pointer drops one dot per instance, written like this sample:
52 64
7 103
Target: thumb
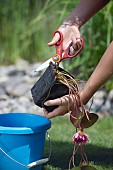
54 40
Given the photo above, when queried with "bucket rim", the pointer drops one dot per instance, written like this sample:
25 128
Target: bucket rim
43 126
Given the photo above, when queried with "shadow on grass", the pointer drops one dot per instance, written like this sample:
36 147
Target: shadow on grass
62 151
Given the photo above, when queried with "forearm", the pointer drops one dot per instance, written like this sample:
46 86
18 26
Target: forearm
101 74
84 11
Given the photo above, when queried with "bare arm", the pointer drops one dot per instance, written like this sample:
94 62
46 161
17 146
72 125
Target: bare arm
84 11
101 74
78 17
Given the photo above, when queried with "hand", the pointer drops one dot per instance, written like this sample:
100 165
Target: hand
65 103
70 33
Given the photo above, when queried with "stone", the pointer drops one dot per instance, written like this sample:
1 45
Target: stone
16 73
100 94
31 72
19 109
12 83
4 78
30 80
110 96
96 105
23 99
20 89
3 97
35 109
2 91
3 104
108 105
98 102
28 95
22 65
4 70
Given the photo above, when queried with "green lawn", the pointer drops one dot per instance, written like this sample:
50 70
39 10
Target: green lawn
99 150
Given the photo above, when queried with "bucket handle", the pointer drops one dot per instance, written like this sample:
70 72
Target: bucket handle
36 163
42 161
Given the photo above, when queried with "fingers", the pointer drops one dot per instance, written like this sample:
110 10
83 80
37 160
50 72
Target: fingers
61 110
59 101
65 104
53 102
54 40
52 114
76 44
56 112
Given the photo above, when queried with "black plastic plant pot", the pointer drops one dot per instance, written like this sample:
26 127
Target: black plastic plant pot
48 87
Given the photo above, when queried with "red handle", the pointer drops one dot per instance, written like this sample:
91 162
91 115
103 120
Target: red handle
61 37
59 46
59 49
67 51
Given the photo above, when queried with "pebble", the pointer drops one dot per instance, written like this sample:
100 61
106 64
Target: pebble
19 90
15 95
110 96
100 95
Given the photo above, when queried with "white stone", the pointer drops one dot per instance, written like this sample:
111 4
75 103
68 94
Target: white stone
100 94
110 96
108 105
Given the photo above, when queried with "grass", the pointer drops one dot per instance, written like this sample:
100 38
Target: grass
99 150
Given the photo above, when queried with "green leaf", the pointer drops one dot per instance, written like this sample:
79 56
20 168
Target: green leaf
76 168
88 168
84 168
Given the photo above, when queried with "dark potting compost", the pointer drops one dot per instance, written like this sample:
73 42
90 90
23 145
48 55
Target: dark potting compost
49 87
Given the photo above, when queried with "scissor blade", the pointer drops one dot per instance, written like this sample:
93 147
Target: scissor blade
44 65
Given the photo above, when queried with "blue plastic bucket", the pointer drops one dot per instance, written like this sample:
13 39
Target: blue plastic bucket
22 139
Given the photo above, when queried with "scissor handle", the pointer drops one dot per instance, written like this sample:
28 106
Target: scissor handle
59 49
61 37
59 46
67 51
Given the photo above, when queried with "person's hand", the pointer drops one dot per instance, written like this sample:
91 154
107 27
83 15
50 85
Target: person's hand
65 103
70 34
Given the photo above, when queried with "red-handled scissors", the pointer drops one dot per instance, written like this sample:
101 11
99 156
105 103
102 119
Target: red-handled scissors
60 54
